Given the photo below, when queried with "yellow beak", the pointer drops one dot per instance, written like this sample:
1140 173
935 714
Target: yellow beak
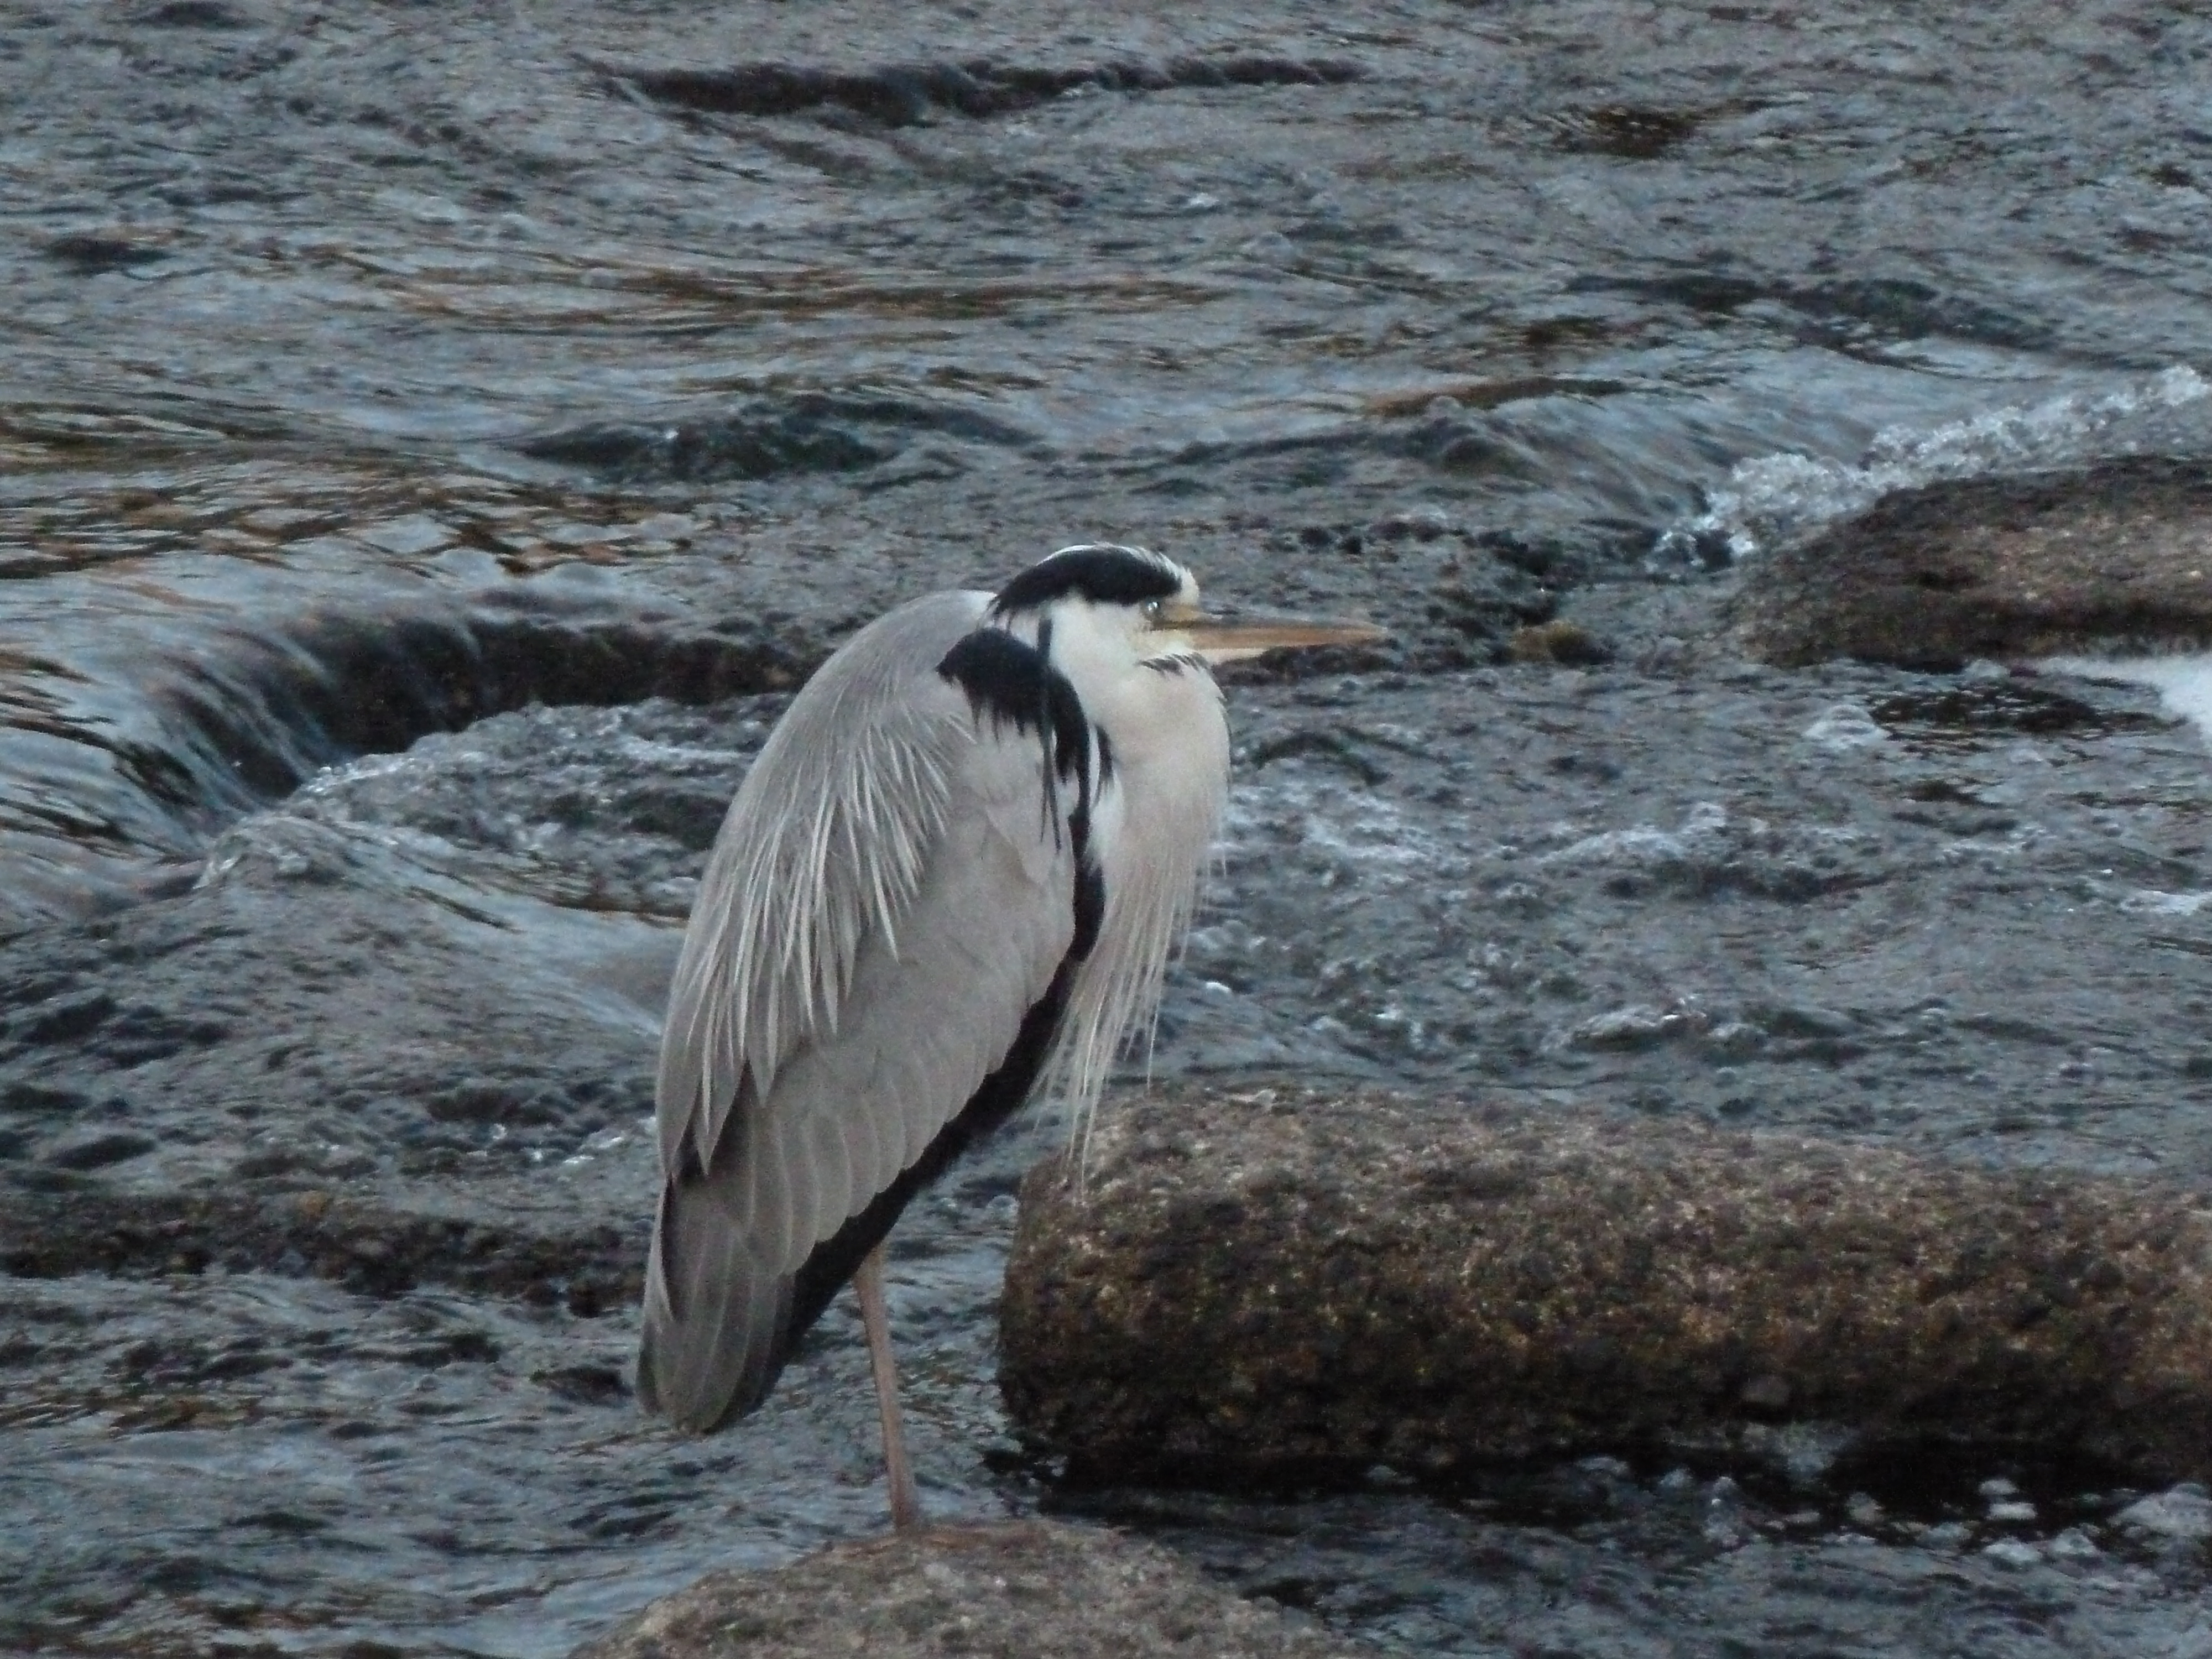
1221 637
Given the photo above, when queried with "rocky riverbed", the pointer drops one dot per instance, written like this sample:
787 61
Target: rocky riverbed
432 442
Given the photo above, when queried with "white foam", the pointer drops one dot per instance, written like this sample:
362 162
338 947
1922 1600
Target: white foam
2183 680
1775 498
1843 726
2151 902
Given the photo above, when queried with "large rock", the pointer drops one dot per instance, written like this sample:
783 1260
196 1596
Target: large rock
1284 1279
1026 1590
2116 556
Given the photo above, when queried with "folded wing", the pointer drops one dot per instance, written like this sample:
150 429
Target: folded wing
881 940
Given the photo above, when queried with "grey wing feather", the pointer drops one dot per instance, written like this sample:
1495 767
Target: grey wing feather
886 902
823 842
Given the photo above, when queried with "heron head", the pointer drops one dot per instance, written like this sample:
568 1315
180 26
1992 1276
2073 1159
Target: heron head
1134 597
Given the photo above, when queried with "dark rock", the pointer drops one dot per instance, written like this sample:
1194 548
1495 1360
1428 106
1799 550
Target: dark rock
377 1247
590 1385
195 15
1894 309
1627 129
808 432
740 447
99 1149
904 94
1284 1279
1842 313
1568 644
89 254
21 1095
1979 708
1489 598
2110 555
64 1018
1016 1588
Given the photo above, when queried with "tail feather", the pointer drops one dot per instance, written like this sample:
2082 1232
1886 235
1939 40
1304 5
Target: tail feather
716 1318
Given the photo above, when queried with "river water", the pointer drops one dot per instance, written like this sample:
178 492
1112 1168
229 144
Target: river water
432 438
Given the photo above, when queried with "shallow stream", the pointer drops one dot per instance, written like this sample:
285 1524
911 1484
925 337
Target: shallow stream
433 438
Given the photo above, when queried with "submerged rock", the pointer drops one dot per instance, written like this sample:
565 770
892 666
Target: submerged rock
2116 554
1023 1588
1286 1280
400 1032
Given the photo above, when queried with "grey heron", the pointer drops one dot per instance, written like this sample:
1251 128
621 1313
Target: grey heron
952 880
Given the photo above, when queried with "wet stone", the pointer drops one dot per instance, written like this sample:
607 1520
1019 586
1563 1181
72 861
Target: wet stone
99 1149
26 1096
1566 643
2113 557
88 253
1263 1281
1017 1588
195 15
905 94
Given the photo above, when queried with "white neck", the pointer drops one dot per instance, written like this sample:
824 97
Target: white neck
1155 823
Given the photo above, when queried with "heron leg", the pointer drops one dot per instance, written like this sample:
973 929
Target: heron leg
868 1286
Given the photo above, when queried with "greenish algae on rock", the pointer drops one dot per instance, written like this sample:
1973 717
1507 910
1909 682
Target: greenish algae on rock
1287 1278
1024 1589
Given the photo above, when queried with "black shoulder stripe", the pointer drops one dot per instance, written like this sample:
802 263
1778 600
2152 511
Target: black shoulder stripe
1013 682
1103 574
1090 910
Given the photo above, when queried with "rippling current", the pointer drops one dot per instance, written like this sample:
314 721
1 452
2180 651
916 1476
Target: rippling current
433 438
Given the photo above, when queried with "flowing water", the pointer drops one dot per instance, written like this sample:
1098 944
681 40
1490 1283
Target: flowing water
433 438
